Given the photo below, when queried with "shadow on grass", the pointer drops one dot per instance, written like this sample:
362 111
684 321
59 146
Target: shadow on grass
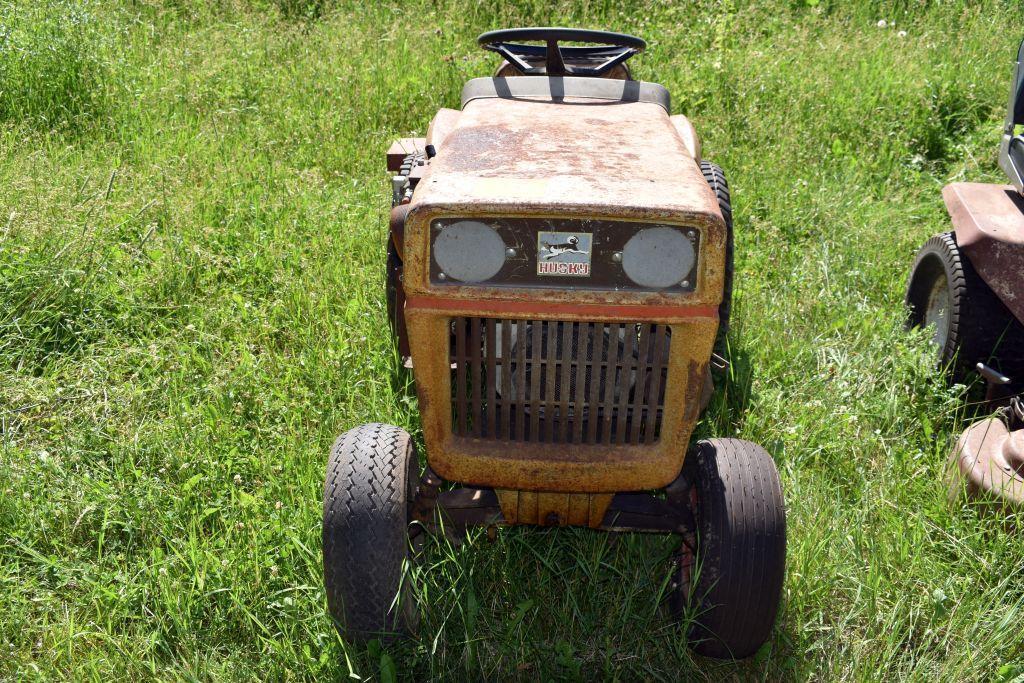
727 410
566 604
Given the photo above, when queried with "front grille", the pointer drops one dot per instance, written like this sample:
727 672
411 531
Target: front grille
558 382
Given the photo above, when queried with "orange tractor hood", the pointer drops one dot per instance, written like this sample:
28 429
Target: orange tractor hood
568 156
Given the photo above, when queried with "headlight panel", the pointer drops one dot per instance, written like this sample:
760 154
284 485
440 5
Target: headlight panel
558 253
658 257
468 251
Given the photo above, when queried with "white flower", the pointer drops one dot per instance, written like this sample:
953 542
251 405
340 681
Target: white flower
238 478
902 34
882 23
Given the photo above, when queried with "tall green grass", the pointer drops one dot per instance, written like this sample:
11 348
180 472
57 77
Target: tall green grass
192 204
52 62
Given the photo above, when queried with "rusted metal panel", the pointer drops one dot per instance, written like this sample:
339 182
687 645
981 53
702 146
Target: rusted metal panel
462 408
540 308
553 509
710 275
688 134
401 148
552 466
539 160
625 158
441 126
397 227
989 224
607 240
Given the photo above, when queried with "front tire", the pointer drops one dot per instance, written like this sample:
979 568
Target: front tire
371 480
734 576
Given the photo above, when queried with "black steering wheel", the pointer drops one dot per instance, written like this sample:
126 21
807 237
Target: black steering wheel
610 50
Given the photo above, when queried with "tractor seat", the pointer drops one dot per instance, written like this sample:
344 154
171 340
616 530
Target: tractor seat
558 88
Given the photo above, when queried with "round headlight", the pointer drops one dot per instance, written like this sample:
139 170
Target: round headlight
469 251
658 257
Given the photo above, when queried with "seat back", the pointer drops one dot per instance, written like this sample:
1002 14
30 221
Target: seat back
561 87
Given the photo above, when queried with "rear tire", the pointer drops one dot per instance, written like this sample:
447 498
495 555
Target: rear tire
715 177
371 480
740 556
393 271
970 322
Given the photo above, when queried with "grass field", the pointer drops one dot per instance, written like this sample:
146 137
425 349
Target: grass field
192 221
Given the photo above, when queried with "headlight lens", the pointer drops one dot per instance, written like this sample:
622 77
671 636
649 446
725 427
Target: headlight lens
469 251
658 257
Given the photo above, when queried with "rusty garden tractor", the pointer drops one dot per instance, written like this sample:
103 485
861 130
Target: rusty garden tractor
559 273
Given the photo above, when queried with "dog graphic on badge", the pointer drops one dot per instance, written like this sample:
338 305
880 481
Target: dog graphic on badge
568 247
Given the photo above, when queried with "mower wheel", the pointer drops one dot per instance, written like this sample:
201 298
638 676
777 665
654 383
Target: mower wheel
715 177
945 292
371 482
733 578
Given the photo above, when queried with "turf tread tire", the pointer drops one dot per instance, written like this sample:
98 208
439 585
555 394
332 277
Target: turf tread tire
741 547
369 485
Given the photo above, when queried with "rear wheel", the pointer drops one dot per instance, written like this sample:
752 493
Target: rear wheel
715 177
945 293
371 480
733 577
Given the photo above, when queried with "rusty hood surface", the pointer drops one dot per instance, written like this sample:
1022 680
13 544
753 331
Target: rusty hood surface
569 155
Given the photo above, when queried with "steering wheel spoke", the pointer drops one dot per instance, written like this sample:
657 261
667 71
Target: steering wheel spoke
512 57
553 64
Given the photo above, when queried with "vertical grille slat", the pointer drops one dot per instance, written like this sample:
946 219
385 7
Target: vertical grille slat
475 364
535 334
637 400
566 355
584 369
624 385
506 379
558 382
549 349
611 378
521 375
491 407
600 358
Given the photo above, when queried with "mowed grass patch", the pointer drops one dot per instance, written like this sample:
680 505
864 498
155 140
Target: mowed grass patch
191 280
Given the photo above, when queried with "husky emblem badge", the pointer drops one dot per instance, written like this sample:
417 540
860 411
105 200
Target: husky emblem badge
564 253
